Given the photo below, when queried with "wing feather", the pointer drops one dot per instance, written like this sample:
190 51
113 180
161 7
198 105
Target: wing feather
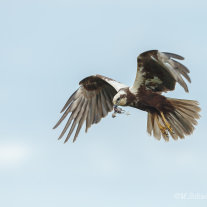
72 97
73 114
92 111
77 120
182 69
71 108
172 55
88 118
98 114
158 72
81 122
90 103
99 105
104 106
107 99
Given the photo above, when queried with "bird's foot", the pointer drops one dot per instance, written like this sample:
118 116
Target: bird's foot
163 130
168 126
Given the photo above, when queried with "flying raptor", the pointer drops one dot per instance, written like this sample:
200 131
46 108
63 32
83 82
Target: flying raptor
157 72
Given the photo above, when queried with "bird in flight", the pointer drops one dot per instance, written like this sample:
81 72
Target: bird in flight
157 72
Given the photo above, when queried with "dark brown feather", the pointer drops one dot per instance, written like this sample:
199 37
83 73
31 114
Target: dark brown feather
90 103
156 71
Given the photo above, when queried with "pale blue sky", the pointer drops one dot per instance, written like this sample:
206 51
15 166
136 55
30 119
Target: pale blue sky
46 48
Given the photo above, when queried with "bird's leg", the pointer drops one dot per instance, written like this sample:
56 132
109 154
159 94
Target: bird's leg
166 123
163 129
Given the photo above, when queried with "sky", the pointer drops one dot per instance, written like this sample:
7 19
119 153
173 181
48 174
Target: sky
46 48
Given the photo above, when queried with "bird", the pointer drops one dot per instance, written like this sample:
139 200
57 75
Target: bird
157 72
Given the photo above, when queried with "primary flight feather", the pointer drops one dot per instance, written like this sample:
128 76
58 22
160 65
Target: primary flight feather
157 72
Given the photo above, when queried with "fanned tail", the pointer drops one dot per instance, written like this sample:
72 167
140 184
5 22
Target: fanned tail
178 122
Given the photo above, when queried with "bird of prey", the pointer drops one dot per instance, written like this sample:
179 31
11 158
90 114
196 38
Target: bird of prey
157 72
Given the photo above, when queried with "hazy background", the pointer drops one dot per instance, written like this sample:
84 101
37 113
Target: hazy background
46 48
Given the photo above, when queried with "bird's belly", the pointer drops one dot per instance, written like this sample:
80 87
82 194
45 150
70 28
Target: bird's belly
142 106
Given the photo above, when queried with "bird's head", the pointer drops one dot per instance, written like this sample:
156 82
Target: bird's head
120 99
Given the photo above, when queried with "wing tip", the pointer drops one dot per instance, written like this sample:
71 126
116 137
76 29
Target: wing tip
173 55
63 109
56 125
65 141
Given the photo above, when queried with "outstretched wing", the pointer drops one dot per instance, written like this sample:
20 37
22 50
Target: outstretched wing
159 72
91 102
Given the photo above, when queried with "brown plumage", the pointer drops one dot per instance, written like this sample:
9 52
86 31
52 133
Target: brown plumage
156 73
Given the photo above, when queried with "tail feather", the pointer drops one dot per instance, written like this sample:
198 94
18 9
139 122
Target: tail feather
164 135
150 123
153 123
156 130
181 119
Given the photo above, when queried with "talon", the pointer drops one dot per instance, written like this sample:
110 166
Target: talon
163 130
168 127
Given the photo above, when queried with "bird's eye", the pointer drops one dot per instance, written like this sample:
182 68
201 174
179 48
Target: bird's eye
118 99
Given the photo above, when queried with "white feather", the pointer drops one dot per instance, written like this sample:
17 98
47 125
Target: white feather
115 84
139 80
